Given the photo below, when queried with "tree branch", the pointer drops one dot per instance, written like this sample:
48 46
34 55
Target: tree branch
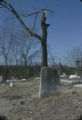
10 8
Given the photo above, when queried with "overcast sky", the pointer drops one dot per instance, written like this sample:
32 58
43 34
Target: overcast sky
65 31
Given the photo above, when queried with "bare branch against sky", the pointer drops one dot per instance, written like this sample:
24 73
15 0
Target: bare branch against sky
7 5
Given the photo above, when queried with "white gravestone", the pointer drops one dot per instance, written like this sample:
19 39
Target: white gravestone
11 84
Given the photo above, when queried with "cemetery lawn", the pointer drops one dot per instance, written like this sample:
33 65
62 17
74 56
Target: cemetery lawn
22 102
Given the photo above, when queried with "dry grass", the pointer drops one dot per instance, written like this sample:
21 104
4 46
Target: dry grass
22 102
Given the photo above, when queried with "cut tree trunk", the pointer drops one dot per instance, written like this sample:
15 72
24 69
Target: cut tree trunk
44 27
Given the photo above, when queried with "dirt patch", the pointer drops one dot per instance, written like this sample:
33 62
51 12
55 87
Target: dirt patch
22 102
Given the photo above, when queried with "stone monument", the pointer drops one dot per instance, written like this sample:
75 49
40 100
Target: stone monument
49 82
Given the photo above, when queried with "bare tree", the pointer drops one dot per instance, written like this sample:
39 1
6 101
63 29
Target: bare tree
44 26
76 55
15 49
23 47
25 50
5 47
32 58
74 58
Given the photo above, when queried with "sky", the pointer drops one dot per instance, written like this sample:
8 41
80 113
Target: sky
65 31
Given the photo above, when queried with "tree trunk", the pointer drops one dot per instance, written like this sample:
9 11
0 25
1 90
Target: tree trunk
44 39
44 49
6 71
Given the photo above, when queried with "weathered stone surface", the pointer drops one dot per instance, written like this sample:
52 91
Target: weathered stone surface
50 81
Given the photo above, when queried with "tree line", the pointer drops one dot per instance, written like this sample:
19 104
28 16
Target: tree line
18 48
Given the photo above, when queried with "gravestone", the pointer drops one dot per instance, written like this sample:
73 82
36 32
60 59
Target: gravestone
49 82
11 84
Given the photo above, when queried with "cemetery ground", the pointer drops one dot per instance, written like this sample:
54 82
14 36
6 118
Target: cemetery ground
22 102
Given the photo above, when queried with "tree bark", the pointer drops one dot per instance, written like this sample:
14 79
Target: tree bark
44 55
44 48
44 39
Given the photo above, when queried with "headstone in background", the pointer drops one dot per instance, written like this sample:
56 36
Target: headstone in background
11 84
75 76
50 81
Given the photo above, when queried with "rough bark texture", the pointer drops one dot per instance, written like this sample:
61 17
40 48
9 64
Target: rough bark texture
44 39
44 53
